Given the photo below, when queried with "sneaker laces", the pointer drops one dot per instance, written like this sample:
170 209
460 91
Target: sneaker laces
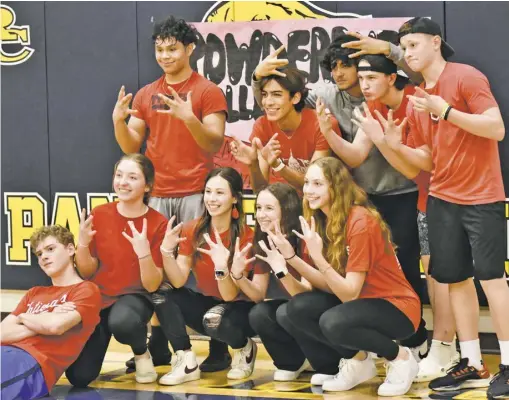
502 375
461 364
175 364
393 373
344 368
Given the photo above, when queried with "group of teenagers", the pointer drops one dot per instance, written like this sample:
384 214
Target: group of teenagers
357 181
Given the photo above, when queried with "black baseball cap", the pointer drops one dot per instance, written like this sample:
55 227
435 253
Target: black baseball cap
429 27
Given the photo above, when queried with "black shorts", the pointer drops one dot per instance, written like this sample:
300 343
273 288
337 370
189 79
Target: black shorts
466 240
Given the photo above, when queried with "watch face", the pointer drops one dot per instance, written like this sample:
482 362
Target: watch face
280 274
220 273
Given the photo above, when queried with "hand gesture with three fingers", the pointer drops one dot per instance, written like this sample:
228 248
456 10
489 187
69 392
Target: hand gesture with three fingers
324 119
366 45
314 242
244 153
272 150
179 108
86 232
273 257
240 260
270 64
217 252
369 125
139 240
393 132
428 102
122 110
172 235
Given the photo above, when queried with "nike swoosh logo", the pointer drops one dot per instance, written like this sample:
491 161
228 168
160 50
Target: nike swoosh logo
250 357
188 371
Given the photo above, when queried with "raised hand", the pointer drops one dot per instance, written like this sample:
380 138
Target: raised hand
269 65
217 252
272 150
139 241
393 132
280 241
273 257
428 102
179 108
86 232
367 45
369 125
122 110
244 153
240 260
314 242
324 119
171 237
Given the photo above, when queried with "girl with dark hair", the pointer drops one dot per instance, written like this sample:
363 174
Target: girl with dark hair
118 249
210 246
369 303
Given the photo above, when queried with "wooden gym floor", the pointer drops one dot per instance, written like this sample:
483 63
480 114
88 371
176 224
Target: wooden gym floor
113 383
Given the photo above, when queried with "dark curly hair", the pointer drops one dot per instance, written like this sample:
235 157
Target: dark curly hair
179 29
294 82
337 53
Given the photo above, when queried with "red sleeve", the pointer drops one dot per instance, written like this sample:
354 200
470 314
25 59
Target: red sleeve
321 142
361 246
157 241
23 304
259 131
475 89
87 299
186 247
140 104
414 133
213 101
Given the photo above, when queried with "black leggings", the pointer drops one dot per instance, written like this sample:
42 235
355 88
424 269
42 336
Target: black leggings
366 324
399 211
227 323
281 346
127 320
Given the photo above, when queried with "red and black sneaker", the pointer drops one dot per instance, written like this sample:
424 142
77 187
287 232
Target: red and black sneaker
499 385
462 376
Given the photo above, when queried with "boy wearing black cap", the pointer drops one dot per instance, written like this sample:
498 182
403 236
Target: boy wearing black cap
455 123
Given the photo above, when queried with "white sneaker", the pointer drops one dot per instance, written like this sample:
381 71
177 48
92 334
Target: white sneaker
319 379
433 366
243 361
351 373
419 352
145 371
400 375
183 369
283 375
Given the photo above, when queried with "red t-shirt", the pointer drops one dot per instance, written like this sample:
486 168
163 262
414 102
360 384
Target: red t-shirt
204 268
422 180
119 267
466 167
181 164
297 148
384 277
55 353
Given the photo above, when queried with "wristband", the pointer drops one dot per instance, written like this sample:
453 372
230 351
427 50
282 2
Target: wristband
444 110
235 278
280 166
167 253
446 114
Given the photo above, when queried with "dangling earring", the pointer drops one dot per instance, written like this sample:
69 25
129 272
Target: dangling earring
235 212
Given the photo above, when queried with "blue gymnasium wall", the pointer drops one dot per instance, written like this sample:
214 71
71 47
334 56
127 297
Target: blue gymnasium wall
56 107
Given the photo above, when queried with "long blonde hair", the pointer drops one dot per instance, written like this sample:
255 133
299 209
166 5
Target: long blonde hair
344 194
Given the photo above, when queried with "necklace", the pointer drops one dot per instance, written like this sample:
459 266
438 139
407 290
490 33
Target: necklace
165 84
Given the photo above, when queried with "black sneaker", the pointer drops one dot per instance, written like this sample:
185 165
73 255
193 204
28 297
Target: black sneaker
462 376
499 385
216 362
162 359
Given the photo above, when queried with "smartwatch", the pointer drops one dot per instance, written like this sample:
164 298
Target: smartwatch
280 274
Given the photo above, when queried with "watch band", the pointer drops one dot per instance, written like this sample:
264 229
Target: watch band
280 166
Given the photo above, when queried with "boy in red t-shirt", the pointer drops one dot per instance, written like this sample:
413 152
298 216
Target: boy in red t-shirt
50 325
455 123
287 138
387 92
186 116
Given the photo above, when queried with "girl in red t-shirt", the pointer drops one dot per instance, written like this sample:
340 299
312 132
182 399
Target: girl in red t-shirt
118 249
209 246
352 249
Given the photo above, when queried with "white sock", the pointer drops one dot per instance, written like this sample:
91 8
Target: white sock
471 349
442 351
504 351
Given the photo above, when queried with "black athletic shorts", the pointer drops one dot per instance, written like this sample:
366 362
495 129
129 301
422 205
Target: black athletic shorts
466 240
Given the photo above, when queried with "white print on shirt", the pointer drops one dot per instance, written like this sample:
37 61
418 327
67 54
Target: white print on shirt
296 164
40 307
